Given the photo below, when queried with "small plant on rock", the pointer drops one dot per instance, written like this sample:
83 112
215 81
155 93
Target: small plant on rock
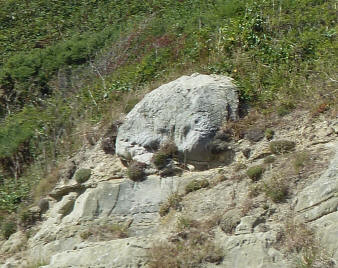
269 159
82 175
173 202
135 171
300 160
255 173
269 133
276 189
166 152
195 185
282 146
8 228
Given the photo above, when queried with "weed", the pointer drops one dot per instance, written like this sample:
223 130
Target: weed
269 159
166 152
104 232
281 146
255 173
269 133
135 171
173 202
276 189
195 185
285 108
299 160
239 166
8 227
191 247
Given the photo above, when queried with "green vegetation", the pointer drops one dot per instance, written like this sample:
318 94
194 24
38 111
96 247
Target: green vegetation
65 66
255 173
281 146
82 175
173 202
269 133
300 159
195 185
8 227
276 189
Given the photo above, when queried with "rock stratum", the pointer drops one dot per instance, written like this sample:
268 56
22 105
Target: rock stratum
286 216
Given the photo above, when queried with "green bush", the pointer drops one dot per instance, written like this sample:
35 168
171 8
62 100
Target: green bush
195 185
255 173
282 146
82 175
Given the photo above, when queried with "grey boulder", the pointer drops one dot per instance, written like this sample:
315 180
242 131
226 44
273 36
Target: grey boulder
187 111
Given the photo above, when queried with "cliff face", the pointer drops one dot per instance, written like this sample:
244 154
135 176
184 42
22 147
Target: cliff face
274 205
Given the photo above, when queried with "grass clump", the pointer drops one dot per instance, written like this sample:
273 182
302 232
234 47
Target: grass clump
276 189
299 161
282 146
195 185
82 175
269 133
173 202
8 227
299 239
104 232
269 159
164 154
135 171
191 247
255 173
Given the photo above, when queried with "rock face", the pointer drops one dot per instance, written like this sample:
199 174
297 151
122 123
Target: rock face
187 111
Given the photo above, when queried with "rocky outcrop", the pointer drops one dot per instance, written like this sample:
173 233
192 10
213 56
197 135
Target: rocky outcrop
187 111
112 221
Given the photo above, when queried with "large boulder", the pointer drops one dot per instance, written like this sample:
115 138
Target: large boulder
187 111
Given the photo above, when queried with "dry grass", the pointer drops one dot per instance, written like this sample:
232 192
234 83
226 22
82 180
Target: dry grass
46 184
191 247
299 239
104 232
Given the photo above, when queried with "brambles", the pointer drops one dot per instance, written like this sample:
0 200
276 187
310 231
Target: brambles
255 173
82 175
282 146
135 171
195 185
